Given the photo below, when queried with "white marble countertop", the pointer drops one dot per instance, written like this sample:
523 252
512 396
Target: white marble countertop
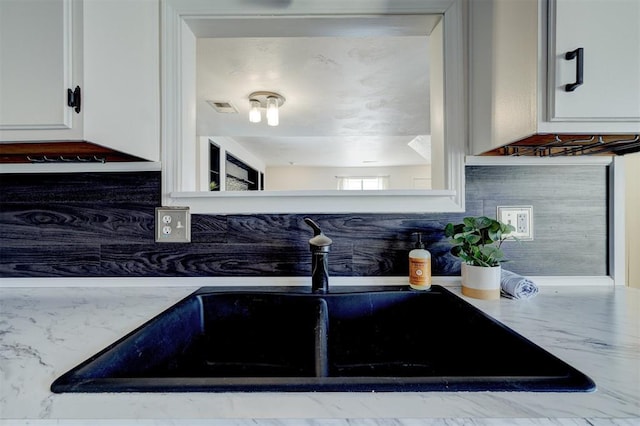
45 331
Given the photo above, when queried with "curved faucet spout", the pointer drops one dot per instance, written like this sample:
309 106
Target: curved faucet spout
313 225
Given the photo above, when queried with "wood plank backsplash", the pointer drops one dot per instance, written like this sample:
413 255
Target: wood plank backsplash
102 224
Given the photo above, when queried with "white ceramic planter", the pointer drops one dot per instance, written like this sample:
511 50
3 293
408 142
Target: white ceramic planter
481 282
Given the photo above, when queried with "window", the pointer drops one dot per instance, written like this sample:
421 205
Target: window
360 183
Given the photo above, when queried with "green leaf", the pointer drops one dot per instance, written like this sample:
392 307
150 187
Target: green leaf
448 230
483 222
492 252
472 239
477 240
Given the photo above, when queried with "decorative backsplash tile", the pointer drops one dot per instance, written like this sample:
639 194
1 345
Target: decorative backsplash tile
102 224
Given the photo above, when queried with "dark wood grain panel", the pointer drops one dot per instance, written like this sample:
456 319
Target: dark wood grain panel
229 260
283 229
209 228
378 258
90 224
557 183
557 258
291 229
569 218
62 223
53 260
126 187
388 259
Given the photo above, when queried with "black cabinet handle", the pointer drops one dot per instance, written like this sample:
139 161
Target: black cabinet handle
74 99
578 55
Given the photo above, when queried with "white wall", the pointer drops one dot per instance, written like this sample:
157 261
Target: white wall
324 178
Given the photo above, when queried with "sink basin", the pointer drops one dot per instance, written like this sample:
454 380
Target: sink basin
353 339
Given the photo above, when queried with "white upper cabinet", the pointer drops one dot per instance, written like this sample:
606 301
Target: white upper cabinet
602 82
518 71
503 71
110 48
122 75
40 58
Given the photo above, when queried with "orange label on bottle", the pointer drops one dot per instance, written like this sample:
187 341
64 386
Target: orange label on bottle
420 271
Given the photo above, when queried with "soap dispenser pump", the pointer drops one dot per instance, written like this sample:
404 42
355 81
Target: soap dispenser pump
419 266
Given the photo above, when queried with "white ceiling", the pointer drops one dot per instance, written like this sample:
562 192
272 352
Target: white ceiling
357 90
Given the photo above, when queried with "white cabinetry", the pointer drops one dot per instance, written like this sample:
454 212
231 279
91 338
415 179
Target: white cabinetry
122 75
115 50
40 58
608 33
503 71
518 72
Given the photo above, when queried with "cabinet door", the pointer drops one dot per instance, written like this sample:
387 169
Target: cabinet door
609 34
36 69
122 75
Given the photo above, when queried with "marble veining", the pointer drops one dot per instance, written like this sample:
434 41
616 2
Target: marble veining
339 422
46 331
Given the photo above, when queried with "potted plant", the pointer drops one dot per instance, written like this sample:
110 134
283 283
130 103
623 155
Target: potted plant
477 241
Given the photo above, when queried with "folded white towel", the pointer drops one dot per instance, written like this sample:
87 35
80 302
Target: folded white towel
516 286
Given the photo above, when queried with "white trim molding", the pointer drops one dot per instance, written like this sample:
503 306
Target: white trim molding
263 202
617 234
178 109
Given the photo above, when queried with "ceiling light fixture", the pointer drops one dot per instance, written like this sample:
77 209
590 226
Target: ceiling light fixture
270 101
273 118
254 111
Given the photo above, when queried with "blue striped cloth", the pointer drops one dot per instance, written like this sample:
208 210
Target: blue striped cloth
514 286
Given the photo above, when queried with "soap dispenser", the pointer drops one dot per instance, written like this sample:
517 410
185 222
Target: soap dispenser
419 266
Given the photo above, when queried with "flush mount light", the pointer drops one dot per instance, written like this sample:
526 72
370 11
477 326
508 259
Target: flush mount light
270 101
254 111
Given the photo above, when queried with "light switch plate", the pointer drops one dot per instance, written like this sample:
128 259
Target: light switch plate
521 217
173 225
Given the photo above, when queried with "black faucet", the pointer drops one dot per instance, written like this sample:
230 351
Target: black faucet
320 245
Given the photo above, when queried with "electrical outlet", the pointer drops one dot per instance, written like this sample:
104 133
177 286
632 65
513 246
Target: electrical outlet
520 217
173 225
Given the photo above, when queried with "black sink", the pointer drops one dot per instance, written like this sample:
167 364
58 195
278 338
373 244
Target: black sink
353 339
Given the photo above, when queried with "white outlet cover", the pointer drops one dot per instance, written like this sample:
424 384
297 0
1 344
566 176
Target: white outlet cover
509 215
